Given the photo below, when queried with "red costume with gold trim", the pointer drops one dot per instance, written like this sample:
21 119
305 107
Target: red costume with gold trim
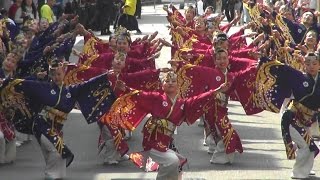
177 19
196 79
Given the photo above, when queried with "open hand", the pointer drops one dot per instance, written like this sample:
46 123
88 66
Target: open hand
41 75
120 85
165 70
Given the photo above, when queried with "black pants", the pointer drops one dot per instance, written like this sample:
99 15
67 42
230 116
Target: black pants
102 18
129 22
229 11
138 9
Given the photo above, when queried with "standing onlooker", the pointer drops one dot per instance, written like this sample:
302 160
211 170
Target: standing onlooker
58 8
103 15
118 5
27 9
39 5
229 10
46 11
75 6
13 9
245 15
238 8
68 9
127 19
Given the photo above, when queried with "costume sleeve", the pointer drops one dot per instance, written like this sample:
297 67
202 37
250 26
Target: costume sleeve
129 110
135 65
103 60
94 97
79 73
244 87
39 93
193 80
238 64
147 80
275 82
198 105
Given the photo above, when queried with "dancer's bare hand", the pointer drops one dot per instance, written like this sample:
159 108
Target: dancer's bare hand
224 87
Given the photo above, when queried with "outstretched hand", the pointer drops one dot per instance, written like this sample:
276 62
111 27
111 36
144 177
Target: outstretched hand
224 87
120 85
41 75
165 70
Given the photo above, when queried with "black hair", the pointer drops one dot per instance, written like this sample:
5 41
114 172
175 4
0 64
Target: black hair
220 50
313 54
112 36
3 12
221 36
34 9
210 7
126 36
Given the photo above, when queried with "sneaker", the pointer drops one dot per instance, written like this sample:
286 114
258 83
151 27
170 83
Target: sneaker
106 32
219 160
139 32
210 151
204 143
316 138
312 173
125 157
19 143
297 177
293 177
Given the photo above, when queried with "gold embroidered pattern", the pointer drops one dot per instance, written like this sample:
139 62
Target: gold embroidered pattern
176 38
284 28
291 152
189 42
225 125
305 114
11 98
72 76
254 13
120 111
92 58
184 81
264 87
89 46
104 93
199 59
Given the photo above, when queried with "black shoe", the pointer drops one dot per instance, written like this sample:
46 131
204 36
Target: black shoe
139 32
103 33
106 33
